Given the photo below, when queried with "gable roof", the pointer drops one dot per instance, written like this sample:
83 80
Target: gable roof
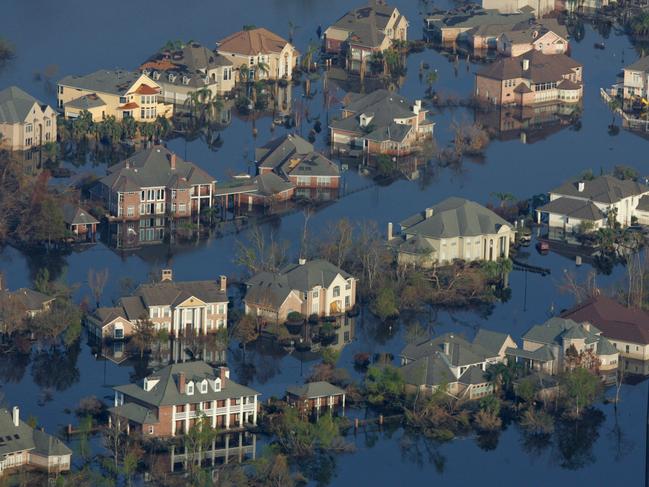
33 301
252 42
173 293
556 330
460 352
166 392
291 154
152 168
114 82
269 184
86 102
16 104
73 215
431 370
492 341
617 322
454 217
602 189
23 437
106 315
473 375
641 64
543 68
583 210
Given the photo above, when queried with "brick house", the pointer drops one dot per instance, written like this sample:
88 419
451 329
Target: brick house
156 181
22 445
364 31
314 287
544 35
25 122
79 222
381 122
315 395
171 400
179 307
295 160
531 78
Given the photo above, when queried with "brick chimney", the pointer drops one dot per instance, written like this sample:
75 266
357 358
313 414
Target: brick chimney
224 373
15 416
223 283
166 275
181 382
172 161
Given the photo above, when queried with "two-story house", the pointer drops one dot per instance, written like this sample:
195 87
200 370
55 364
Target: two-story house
265 54
27 301
594 202
314 287
548 347
25 122
170 401
381 122
179 307
295 160
455 228
531 78
636 80
155 181
182 72
453 362
25 446
544 35
364 31
117 93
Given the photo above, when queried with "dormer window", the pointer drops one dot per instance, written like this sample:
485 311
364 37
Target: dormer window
190 388
217 385
204 387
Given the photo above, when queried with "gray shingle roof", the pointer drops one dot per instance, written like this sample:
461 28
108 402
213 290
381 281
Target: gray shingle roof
24 437
556 329
172 292
542 354
602 189
136 413
641 64
454 217
115 82
313 390
167 393
431 370
543 68
15 105
270 184
365 24
584 210
73 215
86 102
30 299
460 351
107 314
152 168
291 154
491 341
604 347
473 375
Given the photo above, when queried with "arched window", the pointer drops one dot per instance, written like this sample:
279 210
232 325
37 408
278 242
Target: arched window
190 388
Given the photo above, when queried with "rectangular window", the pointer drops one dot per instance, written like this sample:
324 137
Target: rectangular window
130 211
182 207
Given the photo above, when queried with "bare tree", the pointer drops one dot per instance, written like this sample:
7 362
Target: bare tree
96 282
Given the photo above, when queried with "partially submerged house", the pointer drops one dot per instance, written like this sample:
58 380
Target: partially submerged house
117 93
31 302
581 203
529 79
627 329
454 363
156 181
25 122
169 402
381 122
79 222
544 35
178 307
184 71
364 31
23 446
315 395
455 228
264 54
559 343
296 161
308 287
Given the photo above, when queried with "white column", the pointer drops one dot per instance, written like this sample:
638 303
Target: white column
241 422
254 414
173 422
176 319
204 319
186 417
214 413
227 413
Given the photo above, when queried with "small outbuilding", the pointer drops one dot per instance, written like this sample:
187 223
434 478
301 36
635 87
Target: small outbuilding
316 395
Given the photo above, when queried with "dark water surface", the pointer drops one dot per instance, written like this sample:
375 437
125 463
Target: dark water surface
74 37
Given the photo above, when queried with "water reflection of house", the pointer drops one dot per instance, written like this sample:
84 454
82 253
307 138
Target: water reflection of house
529 124
224 449
133 234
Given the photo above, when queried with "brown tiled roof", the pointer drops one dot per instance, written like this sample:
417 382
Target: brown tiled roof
566 84
161 65
252 42
616 322
128 106
542 68
144 89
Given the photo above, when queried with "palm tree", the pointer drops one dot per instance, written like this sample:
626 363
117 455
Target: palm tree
307 59
503 197
291 30
431 79
192 103
261 67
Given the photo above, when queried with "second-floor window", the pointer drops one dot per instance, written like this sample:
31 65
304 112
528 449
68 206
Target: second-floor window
29 128
336 291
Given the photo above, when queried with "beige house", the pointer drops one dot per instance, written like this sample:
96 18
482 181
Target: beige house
179 307
636 80
25 122
545 35
539 7
255 47
581 201
115 93
23 446
547 347
187 70
366 30
453 229
315 287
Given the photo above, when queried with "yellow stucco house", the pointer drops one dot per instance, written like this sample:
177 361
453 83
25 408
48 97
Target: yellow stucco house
25 122
260 46
116 93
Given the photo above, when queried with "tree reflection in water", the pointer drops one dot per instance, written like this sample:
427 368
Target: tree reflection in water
575 439
422 451
55 367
